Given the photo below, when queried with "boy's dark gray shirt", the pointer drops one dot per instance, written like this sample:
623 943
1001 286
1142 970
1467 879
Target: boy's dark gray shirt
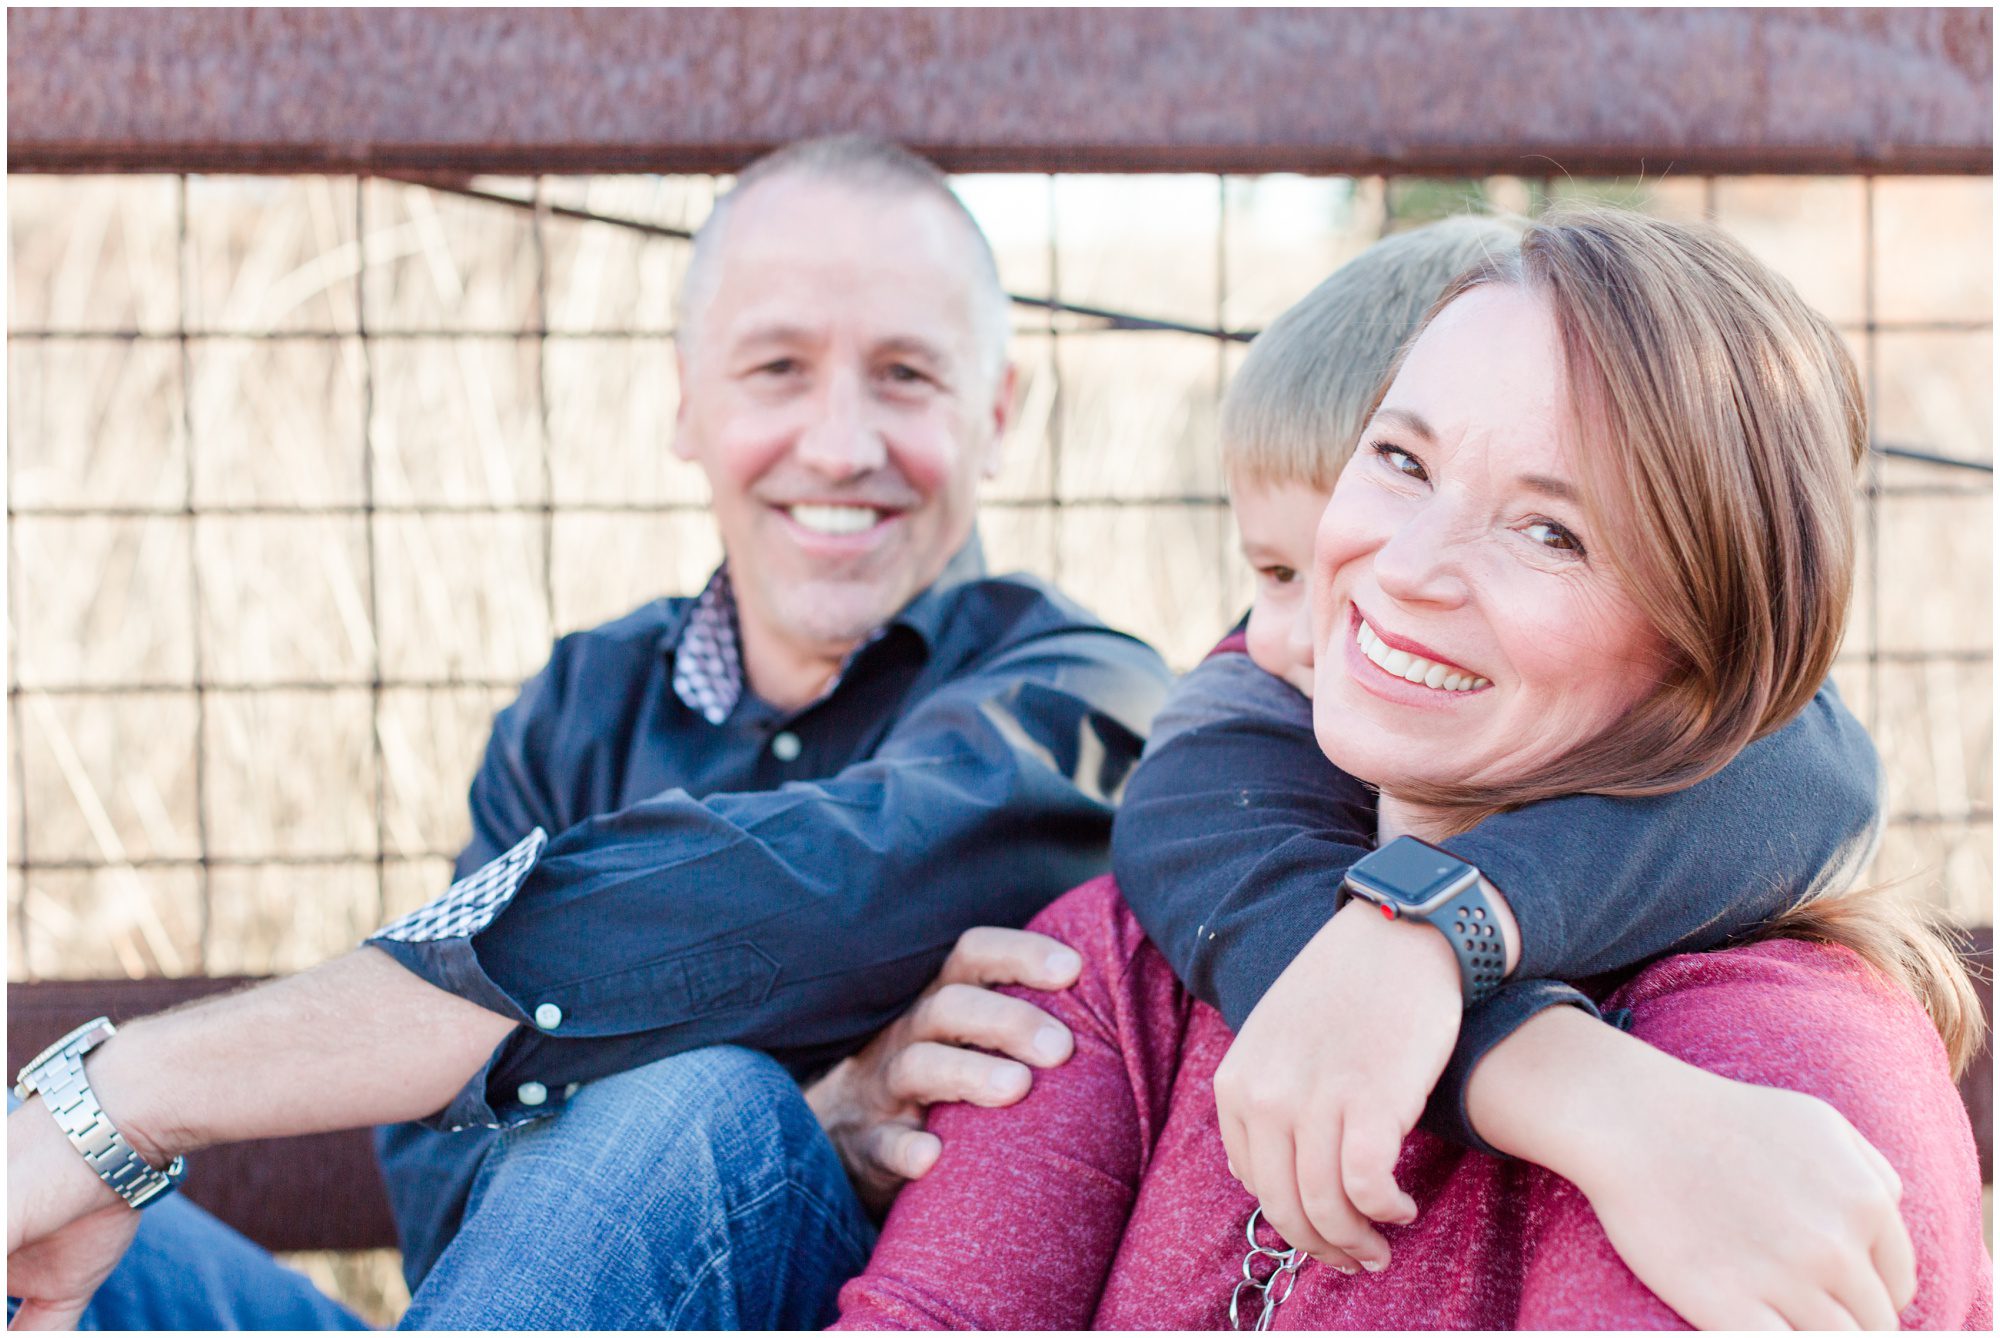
787 881
1236 832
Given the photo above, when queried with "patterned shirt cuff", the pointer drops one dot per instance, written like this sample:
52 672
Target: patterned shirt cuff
434 942
469 905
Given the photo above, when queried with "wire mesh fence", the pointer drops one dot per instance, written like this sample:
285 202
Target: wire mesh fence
305 474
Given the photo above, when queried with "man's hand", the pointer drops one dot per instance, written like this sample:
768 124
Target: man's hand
1330 1072
66 1231
872 1104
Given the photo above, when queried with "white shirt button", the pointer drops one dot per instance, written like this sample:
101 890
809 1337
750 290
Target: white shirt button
532 1094
548 1017
785 746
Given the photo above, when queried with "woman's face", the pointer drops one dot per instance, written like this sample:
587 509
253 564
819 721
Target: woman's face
1455 551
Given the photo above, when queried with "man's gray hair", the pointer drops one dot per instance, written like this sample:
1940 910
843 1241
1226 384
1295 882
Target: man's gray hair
862 163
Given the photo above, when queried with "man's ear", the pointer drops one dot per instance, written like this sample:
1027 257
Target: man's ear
682 446
1003 414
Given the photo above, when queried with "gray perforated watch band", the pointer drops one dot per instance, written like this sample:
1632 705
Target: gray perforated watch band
1467 924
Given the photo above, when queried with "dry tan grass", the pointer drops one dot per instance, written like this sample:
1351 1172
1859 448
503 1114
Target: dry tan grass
454 401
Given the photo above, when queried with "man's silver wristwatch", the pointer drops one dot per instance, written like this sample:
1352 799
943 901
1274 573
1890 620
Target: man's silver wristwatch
57 1074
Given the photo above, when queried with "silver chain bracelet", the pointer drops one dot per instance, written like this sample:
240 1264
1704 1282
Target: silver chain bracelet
1270 1291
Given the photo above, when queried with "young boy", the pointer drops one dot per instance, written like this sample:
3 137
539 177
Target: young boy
1235 832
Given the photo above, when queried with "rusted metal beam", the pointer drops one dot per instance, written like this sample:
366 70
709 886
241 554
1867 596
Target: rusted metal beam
1535 92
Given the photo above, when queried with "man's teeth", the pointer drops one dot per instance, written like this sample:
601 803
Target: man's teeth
1415 668
835 519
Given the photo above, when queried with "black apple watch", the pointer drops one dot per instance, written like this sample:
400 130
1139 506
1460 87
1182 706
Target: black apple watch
1414 880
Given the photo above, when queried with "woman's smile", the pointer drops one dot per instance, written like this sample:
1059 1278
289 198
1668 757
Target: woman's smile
1412 662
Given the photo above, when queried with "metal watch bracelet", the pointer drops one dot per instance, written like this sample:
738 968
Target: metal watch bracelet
57 1076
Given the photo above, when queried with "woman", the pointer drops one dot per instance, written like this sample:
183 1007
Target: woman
1586 465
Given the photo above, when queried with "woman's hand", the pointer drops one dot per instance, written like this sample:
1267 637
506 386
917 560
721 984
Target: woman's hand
1740 1206
1329 1074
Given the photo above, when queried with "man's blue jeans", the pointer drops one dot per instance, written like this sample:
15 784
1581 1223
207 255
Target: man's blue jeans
697 1193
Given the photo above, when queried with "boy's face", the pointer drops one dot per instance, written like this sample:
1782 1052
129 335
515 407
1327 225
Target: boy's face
1277 522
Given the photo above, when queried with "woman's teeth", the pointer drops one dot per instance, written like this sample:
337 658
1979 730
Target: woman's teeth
1415 668
835 519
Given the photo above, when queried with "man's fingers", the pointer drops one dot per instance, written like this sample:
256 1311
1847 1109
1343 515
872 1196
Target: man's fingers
927 1072
48 1314
901 1150
989 955
1862 1294
962 1014
1759 1318
1369 1147
1808 1308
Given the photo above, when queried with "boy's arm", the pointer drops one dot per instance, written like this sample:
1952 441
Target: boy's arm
1599 884
1747 1148
1235 832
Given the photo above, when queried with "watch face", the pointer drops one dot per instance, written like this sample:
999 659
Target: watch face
1408 872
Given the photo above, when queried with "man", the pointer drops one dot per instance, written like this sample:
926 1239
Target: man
759 818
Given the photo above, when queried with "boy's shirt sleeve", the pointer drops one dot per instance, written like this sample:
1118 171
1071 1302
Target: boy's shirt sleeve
1236 832
1600 884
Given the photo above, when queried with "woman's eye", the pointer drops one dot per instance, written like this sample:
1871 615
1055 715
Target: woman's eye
1400 460
1551 535
1278 575
779 367
905 373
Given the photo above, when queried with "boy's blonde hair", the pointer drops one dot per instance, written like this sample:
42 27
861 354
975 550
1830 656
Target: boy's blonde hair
1292 413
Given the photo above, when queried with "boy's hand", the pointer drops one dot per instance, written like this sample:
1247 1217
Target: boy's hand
872 1104
1330 1072
1740 1206
1751 1207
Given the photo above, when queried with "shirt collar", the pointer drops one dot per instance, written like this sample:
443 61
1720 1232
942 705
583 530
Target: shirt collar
926 613
708 656
708 659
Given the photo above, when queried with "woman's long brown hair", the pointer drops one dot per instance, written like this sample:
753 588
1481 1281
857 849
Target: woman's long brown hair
1724 424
